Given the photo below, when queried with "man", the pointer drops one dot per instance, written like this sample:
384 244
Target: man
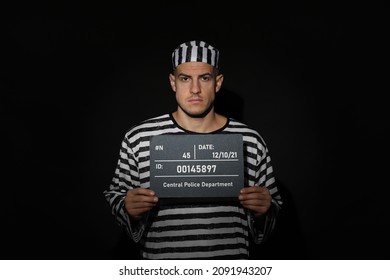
203 230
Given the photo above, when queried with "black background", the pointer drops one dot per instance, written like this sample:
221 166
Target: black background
76 76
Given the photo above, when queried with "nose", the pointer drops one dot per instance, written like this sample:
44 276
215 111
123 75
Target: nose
195 88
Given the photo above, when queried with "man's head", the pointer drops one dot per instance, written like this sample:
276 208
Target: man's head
195 78
195 51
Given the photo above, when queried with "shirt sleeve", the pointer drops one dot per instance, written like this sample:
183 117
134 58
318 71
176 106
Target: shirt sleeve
265 177
126 177
260 233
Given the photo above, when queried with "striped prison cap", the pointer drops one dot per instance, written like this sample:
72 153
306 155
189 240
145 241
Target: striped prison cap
195 51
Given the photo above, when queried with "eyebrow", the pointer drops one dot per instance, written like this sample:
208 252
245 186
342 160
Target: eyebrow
201 75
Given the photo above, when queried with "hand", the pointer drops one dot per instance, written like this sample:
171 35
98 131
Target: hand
138 201
256 198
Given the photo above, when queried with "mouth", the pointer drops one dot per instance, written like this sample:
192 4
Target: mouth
195 100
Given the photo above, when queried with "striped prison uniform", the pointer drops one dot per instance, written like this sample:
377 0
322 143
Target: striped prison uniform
203 231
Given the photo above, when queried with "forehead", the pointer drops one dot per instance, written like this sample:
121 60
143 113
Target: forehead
194 68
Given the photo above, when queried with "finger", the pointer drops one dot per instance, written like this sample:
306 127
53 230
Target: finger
251 195
255 202
256 205
143 191
255 199
253 189
142 199
141 204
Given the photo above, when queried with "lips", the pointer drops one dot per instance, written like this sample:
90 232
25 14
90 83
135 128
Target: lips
195 100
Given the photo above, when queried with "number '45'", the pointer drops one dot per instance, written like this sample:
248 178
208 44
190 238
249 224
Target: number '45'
187 155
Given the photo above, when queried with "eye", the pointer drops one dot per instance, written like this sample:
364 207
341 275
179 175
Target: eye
184 78
206 78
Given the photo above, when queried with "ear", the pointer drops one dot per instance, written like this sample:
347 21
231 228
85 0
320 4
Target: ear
172 79
219 82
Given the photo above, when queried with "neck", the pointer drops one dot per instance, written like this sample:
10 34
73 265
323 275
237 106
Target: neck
209 123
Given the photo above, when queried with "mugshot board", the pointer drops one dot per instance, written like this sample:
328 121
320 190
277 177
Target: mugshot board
196 167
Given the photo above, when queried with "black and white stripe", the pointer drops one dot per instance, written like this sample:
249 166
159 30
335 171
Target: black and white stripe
195 51
190 231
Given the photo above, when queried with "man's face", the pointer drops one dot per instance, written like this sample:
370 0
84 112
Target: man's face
195 84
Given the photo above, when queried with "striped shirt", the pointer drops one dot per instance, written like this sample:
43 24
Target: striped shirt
196 231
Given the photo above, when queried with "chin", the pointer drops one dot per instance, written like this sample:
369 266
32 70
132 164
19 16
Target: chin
197 114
